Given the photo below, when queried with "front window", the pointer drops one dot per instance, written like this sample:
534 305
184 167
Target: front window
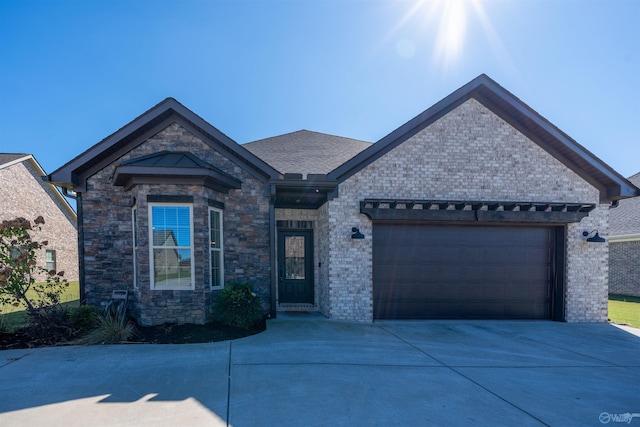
171 234
215 248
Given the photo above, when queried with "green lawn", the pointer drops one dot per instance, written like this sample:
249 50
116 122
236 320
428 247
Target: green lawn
14 317
624 310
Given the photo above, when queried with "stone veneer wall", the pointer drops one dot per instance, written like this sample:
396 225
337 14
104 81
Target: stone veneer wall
468 154
624 268
23 194
109 246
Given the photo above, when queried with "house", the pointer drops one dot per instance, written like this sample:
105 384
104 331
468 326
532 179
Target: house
23 193
624 246
475 208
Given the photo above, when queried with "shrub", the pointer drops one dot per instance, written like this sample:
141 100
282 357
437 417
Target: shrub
239 305
84 318
112 328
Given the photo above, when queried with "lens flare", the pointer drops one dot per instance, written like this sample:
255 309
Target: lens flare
451 31
443 27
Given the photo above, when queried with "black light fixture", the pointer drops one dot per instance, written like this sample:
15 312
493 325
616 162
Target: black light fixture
595 238
356 233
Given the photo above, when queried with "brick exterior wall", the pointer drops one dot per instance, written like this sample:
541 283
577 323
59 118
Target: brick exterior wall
324 287
468 154
587 270
24 194
108 236
624 268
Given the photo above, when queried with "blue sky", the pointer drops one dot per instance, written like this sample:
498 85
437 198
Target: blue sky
73 72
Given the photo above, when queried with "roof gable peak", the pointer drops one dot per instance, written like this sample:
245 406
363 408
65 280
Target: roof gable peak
74 173
504 104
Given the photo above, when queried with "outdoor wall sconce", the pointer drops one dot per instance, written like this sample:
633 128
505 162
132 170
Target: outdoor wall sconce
356 233
595 238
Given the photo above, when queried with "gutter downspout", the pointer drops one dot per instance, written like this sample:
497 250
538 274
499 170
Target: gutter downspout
73 195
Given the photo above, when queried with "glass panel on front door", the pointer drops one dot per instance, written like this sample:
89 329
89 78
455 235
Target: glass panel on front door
294 257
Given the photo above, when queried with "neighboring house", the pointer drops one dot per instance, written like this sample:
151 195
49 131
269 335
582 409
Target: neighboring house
624 246
23 193
173 267
475 208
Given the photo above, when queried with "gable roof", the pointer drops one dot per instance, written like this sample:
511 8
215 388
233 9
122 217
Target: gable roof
74 173
306 152
10 159
612 186
624 220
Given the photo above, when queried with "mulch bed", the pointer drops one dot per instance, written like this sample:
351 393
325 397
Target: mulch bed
161 334
190 334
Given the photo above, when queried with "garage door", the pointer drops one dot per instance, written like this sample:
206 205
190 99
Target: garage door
461 272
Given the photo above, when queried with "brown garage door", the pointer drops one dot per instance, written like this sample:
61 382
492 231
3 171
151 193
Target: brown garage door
461 272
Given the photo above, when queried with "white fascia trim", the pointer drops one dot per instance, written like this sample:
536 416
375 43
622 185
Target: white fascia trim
624 238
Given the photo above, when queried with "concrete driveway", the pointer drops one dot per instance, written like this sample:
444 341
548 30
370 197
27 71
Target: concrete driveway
306 370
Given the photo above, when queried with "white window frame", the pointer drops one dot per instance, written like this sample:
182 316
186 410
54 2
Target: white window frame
53 260
152 247
219 250
134 225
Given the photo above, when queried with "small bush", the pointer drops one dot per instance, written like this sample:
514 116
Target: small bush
239 305
109 331
84 318
112 328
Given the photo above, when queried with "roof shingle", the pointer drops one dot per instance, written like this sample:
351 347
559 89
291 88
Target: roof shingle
625 219
306 152
10 157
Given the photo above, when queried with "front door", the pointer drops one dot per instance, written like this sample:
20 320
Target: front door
295 267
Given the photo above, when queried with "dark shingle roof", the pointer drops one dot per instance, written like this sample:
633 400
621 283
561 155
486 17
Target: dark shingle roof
625 219
306 152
